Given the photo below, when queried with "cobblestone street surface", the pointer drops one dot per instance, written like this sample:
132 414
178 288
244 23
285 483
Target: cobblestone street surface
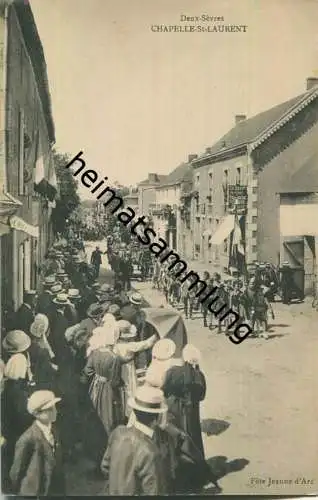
260 413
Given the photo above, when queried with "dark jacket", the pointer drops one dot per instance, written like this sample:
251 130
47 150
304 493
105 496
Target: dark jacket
24 318
133 464
37 468
96 257
45 305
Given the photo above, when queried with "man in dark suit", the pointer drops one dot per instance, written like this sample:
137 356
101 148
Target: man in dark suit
96 260
25 314
38 467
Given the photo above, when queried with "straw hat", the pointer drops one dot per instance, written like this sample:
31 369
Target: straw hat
55 289
136 298
49 281
73 293
148 400
127 331
61 299
163 349
191 354
41 400
39 326
16 341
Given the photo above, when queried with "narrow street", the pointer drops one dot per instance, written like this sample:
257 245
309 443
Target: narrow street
265 382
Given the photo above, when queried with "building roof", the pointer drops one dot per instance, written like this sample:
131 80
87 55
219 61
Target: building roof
159 178
305 180
36 53
183 173
257 128
248 130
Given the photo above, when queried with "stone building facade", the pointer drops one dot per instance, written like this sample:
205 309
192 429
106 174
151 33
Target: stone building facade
257 156
27 131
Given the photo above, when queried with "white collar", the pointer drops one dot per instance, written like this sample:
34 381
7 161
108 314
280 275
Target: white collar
46 429
143 428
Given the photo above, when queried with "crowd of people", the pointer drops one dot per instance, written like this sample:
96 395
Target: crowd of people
82 375
251 298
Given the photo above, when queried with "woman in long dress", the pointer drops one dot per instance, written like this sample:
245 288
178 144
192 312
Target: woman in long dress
184 388
126 348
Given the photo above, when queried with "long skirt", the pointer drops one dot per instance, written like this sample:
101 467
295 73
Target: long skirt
107 402
130 385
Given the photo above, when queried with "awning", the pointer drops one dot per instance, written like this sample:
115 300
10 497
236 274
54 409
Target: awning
299 220
224 229
207 233
21 225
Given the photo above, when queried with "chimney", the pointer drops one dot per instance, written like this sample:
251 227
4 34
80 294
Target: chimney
239 118
311 82
192 157
208 150
152 178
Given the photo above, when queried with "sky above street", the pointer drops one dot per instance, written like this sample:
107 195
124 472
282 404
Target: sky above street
136 101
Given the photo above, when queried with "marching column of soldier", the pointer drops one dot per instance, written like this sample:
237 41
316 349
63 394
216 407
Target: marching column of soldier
251 296
77 378
71 386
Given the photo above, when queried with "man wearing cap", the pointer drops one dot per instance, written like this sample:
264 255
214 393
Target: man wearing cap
38 467
67 380
44 303
71 311
25 314
133 463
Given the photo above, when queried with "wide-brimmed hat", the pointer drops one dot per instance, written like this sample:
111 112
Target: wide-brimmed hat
30 293
57 289
49 280
127 331
41 400
148 400
74 293
94 311
16 341
95 285
39 326
191 354
136 298
61 299
163 349
61 274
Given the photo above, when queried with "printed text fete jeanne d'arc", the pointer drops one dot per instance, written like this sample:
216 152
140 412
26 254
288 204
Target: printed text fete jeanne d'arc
194 28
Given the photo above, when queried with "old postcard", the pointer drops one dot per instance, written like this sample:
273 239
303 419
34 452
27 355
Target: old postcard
159 247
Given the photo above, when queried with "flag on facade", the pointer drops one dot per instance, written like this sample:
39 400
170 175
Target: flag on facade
41 184
53 184
237 250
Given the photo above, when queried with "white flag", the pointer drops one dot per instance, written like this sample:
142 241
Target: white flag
39 165
237 236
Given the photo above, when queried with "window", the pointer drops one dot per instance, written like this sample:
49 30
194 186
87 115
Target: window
21 153
197 180
238 176
210 185
226 176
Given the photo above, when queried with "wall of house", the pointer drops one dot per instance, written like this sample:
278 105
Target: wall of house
146 197
208 213
270 181
169 195
23 107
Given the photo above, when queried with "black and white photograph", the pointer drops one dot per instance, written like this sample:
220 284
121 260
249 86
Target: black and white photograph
159 247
